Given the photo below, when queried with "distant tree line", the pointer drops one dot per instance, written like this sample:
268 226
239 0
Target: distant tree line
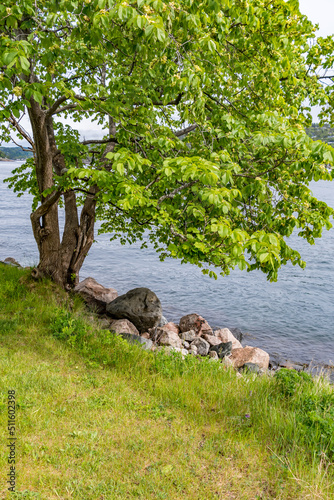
318 133
14 153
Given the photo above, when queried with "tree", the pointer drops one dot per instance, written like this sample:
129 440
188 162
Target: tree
204 153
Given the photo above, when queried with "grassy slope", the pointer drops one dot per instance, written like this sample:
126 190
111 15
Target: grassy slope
99 419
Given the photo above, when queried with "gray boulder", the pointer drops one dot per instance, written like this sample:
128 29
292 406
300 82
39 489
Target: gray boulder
223 349
202 346
95 295
146 344
141 306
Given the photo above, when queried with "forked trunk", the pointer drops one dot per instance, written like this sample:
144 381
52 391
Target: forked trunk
60 258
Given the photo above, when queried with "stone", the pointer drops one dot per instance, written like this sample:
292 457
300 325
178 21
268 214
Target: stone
250 367
141 306
249 354
213 355
95 295
227 362
202 346
212 339
193 350
223 349
123 326
163 321
145 335
188 336
146 344
170 338
195 322
237 333
170 326
10 261
170 349
225 335
185 344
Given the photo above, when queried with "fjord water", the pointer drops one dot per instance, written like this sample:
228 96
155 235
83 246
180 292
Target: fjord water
293 317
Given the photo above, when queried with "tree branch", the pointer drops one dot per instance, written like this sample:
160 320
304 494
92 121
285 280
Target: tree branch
176 191
100 141
186 130
52 110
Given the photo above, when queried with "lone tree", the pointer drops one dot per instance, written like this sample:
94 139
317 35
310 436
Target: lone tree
202 104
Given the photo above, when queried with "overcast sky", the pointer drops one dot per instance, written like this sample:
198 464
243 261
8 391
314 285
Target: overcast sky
318 11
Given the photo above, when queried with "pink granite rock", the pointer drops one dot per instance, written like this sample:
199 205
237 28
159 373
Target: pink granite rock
170 338
249 354
123 326
195 322
95 295
225 335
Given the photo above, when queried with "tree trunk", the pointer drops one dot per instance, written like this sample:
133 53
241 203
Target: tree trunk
59 259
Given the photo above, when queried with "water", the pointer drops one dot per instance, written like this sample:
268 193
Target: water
293 317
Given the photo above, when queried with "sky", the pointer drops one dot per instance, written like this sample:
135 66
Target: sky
318 11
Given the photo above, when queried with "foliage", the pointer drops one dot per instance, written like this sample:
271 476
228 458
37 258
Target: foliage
205 152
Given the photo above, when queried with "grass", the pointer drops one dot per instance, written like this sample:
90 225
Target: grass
97 418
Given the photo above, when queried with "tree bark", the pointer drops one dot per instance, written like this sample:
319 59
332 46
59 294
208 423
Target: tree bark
60 259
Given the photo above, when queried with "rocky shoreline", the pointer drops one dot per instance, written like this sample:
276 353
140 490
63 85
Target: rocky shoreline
137 317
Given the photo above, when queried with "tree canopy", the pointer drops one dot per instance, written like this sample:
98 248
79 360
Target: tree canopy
203 107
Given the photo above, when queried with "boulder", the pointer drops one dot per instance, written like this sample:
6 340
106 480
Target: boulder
225 335
241 356
195 322
95 295
141 306
171 338
145 335
237 333
10 261
170 327
146 344
213 355
250 367
212 339
163 321
202 346
193 350
123 326
188 336
223 349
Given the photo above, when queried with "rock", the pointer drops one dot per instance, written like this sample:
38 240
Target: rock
170 327
141 306
241 356
163 321
123 326
213 355
193 350
250 367
225 335
195 322
212 339
146 344
223 349
185 344
237 333
145 335
170 349
202 346
95 295
227 362
170 338
10 261
188 336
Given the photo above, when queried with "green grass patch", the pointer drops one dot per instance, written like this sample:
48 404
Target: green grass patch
99 418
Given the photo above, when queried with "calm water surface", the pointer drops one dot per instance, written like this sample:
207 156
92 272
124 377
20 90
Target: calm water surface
293 317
